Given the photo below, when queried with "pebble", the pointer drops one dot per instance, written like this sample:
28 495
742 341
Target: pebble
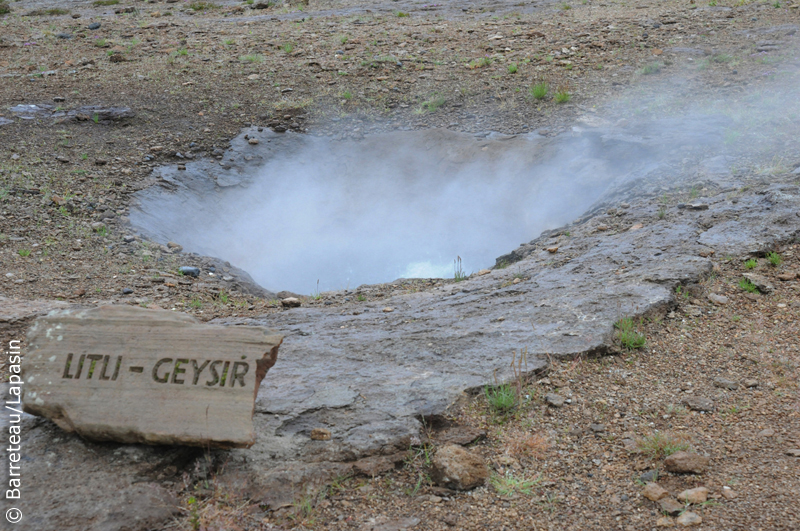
189 271
554 400
689 519
388 310
127 291
686 462
654 492
698 403
695 496
649 477
665 521
670 506
724 383
597 428
728 493
718 299
794 452
290 302
769 432
750 382
94 26
320 434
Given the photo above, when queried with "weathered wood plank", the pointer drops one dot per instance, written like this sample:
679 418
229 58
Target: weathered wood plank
128 374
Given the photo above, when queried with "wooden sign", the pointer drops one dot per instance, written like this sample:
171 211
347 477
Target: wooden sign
128 374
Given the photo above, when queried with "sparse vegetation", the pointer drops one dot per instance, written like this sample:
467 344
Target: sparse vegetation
24 252
775 259
501 398
627 334
651 68
508 484
539 90
512 68
253 58
748 286
562 96
458 271
752 263
662 444
203 6
99 3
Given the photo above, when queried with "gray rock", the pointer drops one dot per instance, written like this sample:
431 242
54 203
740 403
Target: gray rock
598 428
651 476
725 383
670 506
698 403
94 26
554 400
750 382
718 299
190 271
763 285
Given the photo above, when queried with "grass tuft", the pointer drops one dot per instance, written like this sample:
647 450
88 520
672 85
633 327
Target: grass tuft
775 259
662 444
748 286
651 68
502 398
539 90
509 485
562 96
628 336
751 264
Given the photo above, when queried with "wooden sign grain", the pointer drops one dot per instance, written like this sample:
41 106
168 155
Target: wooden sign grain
128 374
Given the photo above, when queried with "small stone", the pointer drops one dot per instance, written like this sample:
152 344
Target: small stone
718 299
290 302
698 403
750 382
176 248
769 432
516 281
785 277
728 493
697 206
189 271
597 428
551 249
651 476
388 310
127 291
724 383
665 521
794 452
320 434
483 272
654 492
554 400
695 496
689 519
253 141
670 506
763 285
686 462
94 26
636 227
97 226
456 468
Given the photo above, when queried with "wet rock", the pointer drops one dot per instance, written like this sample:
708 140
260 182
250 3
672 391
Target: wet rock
698 403
670 506
686 463
290 302
554 400
320 434
725 383
694 496
689 519
654 492
763 285
189 271
457 468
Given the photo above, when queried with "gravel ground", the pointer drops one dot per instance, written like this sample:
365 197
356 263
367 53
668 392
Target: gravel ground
192 78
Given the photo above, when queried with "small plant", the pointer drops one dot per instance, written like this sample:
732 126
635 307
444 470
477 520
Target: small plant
343 39
99 3
565 6
501 398
480 63
196 304
316 295
223 297
96 118
253 58
360 298
401 14
288 47
662 213
433 104
539 90
662 444
651 68
24 252
751 264
630 338
562 96
509 485
713 3
775 259
458 271
100 43
347 95
202 6
512 68
748 286
229 42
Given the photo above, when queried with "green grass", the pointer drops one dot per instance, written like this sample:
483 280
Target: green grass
100 43
751 264
203 6
651 68
182 51
539 90
723 58
480 63
512 68
509 485
562 96
775 259
662 444
458 272
196 303
748 286
360 298
628 336
223 297
229 42
401 14
662 213
288 47
502 398
433 103
99 3
24 252
253 58
347 95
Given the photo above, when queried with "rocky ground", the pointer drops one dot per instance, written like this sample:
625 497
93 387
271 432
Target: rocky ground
165 83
